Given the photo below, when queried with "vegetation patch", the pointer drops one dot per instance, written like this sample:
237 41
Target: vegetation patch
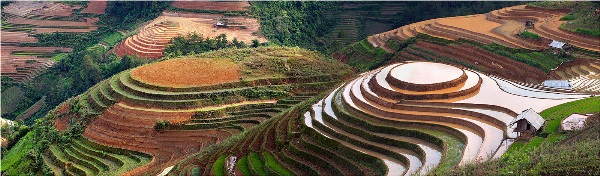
530 35
257 164
17 160
218 168
556 114
272 164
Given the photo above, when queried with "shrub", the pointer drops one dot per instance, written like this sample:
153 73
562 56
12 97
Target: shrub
195 171
162 125
568 17
526 34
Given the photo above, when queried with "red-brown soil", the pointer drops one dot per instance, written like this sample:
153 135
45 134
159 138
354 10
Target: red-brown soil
133 129
211 5
188 72
61 123
55 9
153 38
19 20
95 7
22 68
499 26
51 30
490 62
17 37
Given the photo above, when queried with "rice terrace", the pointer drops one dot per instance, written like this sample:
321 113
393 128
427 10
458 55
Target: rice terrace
300 88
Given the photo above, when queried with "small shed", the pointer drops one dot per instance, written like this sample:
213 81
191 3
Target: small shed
561 84
528 121
220 24
556 44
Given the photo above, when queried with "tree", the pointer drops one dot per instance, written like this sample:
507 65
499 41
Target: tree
90 72
255 43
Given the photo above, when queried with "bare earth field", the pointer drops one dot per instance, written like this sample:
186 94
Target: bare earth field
206 5
188 72
95 7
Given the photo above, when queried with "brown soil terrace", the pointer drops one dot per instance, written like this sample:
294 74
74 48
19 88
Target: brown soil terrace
188 72
153 38
22 68
95 7
211 5
498 26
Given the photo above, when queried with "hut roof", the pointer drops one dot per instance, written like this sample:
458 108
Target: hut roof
530 116
556 44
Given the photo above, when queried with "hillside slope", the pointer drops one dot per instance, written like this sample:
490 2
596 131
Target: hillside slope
165 111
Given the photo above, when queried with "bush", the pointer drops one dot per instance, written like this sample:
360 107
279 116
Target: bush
568 17
526 34
162 125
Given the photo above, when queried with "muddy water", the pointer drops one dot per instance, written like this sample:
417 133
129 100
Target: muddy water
425 72
520 90
473 139
492 137
395 167
472 80
503 148
432 152
500 116
368 91
491 94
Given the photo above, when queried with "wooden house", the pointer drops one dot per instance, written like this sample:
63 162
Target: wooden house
528 122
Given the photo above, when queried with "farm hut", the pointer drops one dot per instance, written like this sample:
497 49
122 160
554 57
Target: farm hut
557 44
220 24
561 84
528 122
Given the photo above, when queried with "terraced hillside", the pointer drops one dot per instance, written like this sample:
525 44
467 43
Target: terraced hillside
582 74
215 6
21 20
402 119
355 20
25 63
174 108
500 26
152 39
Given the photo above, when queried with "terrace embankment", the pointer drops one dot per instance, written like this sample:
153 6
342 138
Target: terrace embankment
177 107
152 39
461 107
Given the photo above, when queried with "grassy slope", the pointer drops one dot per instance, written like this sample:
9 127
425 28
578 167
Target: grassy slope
545 155
12 164
268 62
582 17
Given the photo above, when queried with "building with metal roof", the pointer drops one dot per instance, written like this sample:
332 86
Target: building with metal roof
556 44
528 121
561 84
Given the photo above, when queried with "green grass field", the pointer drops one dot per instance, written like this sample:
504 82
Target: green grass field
556 114
112 39
15 160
